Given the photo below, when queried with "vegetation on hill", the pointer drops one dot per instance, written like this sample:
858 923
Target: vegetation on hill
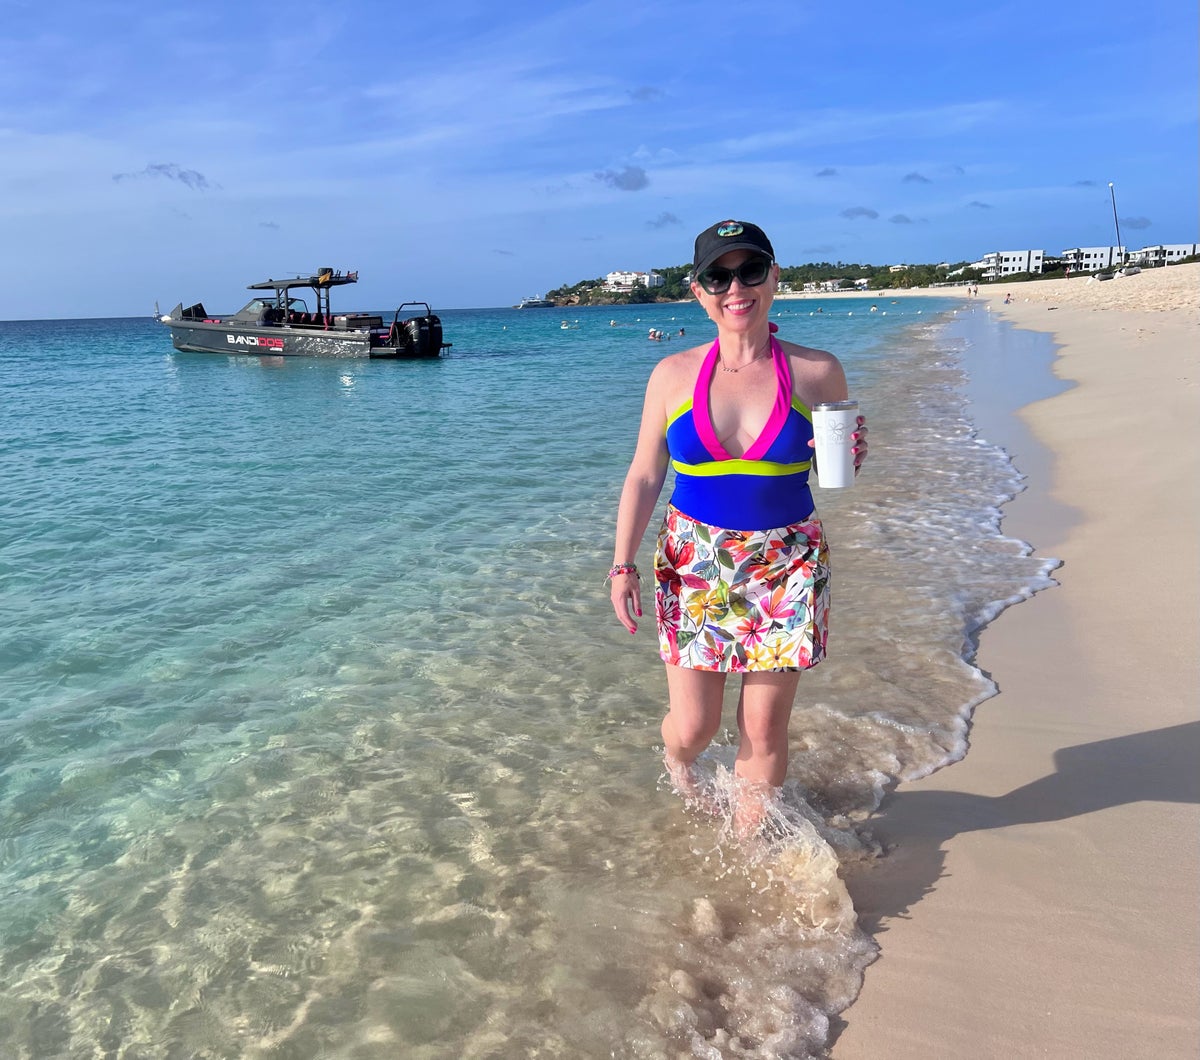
675 288
592 292
794 277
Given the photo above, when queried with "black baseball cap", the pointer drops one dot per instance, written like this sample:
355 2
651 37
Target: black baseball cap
725 236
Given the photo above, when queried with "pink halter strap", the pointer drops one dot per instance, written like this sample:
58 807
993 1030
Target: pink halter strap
779 411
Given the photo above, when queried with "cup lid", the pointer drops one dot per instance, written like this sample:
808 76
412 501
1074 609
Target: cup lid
834 406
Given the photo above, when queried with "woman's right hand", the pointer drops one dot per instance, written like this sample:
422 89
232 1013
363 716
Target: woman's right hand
626 597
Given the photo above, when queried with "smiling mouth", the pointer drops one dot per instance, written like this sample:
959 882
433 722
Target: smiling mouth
740 304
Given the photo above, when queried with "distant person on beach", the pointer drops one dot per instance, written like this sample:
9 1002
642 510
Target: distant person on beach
741 570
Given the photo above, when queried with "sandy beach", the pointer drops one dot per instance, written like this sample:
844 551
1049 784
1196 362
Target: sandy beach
1040 895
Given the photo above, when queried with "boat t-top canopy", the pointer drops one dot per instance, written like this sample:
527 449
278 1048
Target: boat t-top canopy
321 283
323 278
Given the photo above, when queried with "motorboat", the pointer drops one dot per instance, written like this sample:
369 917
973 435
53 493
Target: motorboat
279 322
536 302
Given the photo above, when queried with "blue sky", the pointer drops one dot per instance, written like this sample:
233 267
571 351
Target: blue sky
470 154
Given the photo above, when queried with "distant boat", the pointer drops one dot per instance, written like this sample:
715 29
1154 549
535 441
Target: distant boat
278 323
536 302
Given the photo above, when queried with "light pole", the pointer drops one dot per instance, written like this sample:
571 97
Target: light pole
1116 223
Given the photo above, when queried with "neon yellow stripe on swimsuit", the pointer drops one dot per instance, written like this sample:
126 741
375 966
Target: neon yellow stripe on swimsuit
685 407
740 467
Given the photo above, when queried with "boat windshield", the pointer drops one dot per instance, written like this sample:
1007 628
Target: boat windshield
257 305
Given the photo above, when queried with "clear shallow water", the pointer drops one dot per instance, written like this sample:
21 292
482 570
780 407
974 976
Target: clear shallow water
317 736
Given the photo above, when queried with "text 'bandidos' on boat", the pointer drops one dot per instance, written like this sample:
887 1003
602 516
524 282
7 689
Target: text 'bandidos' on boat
281 324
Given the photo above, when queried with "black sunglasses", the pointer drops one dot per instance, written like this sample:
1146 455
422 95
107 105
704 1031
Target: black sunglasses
752 272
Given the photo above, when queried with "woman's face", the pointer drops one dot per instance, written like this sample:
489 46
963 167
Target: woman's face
740 308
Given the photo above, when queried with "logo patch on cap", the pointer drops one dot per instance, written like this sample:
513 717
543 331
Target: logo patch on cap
730 229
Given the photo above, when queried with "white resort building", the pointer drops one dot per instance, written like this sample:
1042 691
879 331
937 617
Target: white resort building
627 281
1093 259
1001 263
1163 254
814 286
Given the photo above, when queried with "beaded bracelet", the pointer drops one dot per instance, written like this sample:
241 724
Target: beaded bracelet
623 568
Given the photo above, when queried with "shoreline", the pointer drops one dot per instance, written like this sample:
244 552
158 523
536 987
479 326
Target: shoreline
1043 889
883 294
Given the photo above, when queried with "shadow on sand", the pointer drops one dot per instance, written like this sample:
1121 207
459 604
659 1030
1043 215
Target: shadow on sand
1157 766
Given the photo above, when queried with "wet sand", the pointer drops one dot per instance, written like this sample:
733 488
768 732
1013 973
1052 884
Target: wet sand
1040 896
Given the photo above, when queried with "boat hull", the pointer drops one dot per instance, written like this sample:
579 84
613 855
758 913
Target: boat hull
283 341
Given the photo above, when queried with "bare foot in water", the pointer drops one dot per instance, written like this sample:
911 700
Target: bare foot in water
688 786
751 814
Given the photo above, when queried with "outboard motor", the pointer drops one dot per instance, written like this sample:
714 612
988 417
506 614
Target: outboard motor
424 335
435 335
419 336
417 331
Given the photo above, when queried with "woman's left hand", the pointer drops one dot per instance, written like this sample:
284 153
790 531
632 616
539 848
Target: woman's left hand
860 444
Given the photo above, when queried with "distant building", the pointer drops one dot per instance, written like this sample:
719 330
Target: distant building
897 268
1163 254
1093 259
1003 263
627 281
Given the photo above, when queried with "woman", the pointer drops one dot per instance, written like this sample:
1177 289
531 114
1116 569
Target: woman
741 569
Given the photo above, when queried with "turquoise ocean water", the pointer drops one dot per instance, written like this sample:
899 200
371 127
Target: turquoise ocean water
318 737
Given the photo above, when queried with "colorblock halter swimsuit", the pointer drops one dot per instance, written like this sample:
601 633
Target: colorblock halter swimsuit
762 490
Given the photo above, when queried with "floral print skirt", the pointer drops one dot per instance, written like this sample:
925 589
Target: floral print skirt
737 601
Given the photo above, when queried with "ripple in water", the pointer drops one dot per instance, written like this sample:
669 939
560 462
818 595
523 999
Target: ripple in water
328 745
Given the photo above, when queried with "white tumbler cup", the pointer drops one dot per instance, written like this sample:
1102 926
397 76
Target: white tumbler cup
833 424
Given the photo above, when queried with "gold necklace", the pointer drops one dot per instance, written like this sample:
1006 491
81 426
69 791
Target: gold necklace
758 357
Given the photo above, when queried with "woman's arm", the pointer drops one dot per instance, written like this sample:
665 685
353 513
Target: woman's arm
639 495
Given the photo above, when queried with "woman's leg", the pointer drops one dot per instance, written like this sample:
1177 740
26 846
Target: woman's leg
764 710
692 721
